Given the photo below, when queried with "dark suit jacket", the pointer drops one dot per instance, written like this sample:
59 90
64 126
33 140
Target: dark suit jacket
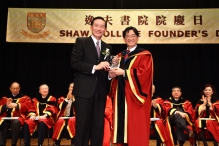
83 58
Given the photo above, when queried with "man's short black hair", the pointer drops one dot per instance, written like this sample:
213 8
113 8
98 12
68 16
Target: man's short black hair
98 17
128 29
177 88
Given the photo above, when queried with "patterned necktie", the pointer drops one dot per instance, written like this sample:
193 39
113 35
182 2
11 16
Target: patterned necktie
98 49
126 55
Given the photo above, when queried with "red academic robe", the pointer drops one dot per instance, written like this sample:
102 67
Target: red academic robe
187 108
50 109
160 125
60 123
132 99
211 125
24 104
107 122
3 102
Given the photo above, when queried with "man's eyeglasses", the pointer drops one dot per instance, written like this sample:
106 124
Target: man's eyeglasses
130 36
15 88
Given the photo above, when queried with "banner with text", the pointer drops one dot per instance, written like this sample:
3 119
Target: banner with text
163 26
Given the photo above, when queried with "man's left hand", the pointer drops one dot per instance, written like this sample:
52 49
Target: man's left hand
111 75
117 71
183 115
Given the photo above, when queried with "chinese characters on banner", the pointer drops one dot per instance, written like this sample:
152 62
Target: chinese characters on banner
155 26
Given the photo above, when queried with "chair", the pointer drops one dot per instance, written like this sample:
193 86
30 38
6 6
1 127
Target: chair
50 131
206 132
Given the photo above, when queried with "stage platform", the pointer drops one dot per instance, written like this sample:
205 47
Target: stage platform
66 142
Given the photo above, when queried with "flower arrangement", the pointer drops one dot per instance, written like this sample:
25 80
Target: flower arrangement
106 53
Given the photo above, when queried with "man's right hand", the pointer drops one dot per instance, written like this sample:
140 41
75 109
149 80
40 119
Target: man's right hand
42 117
12 105
102 65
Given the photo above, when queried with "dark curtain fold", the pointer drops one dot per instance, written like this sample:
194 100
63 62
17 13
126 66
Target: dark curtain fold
31 64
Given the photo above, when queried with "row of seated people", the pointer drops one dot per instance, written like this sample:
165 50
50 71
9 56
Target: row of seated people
37 114
177 118
41 114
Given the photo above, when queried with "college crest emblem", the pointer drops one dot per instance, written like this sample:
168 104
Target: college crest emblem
36 22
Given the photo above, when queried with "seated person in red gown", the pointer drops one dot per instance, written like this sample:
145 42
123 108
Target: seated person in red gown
208 107
158 111
65 126
41 116
180 115
13 105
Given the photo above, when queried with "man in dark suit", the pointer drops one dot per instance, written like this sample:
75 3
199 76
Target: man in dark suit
91 84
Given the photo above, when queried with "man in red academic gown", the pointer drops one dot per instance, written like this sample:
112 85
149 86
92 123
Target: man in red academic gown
14 105
132 87
180 115
41 117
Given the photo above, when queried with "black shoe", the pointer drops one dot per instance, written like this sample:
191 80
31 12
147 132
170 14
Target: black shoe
56 143
72 141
